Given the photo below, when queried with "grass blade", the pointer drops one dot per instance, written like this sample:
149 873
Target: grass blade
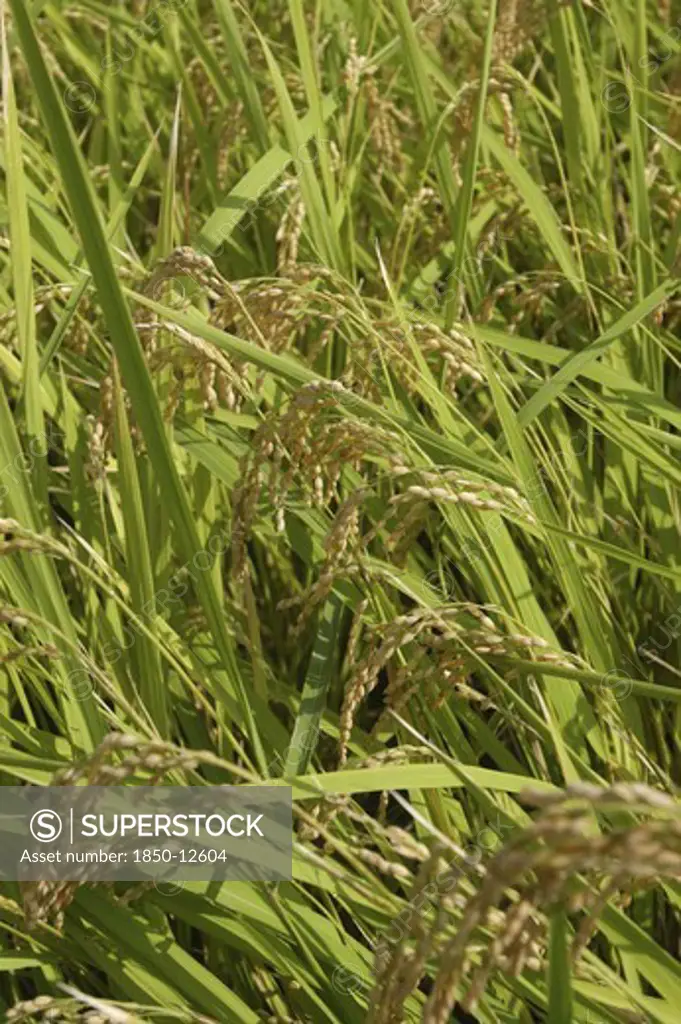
134 370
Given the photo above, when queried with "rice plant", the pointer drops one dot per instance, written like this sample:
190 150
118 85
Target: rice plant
339 437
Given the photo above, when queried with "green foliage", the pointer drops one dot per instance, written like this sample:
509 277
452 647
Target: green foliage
339 418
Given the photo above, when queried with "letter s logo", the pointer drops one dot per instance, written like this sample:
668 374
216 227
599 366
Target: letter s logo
46 826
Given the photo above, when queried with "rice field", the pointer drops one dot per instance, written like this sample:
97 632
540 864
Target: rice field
339 450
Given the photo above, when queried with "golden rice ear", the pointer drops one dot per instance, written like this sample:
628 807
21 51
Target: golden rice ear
486 916
289 233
